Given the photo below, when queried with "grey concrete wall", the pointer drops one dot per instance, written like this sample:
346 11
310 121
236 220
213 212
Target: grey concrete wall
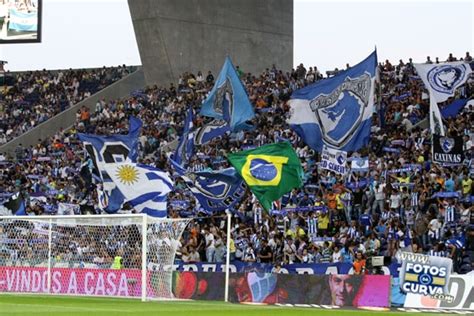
175 36
66 119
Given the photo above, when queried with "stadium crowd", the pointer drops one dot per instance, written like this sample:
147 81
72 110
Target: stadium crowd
392 207
30 98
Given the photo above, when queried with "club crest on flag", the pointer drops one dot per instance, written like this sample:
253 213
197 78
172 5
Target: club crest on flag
209 187
209 131
446 144
340 158
224 97
341 112
263 169
446 78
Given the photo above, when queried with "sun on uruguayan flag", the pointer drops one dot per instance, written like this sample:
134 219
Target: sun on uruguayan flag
142 186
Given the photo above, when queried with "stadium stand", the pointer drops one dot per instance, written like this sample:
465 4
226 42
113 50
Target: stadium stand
364 215
30 98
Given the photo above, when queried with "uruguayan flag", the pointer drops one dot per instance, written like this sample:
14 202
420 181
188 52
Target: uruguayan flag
228 100
104 150
442 80
337 111
185 148
215 190
144 187
360 164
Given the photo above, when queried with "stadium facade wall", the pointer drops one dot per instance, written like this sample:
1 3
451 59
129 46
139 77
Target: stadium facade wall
67 118
175 36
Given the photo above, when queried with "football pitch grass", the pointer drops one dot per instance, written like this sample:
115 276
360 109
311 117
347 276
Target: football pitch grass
46 305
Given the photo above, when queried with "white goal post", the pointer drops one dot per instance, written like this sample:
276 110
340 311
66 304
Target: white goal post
95 255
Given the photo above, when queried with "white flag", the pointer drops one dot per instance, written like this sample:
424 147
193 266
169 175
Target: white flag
334 160
442 80
360 164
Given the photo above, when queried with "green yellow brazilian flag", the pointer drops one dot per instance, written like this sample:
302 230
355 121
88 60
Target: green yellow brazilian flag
270 171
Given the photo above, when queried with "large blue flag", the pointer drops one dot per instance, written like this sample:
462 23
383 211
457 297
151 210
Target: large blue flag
228 100
185 148
215 190
337 111
144 187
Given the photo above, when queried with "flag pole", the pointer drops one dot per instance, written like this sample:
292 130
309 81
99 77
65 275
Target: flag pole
227 259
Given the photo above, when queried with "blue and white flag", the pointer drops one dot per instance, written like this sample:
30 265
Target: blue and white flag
215 190
185 148
442 80
144 187
337 111
21 21
104 150
360 164
228 100
69 209
209 131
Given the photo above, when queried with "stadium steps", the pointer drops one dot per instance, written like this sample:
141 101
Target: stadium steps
67 118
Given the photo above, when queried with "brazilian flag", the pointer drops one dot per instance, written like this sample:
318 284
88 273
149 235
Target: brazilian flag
270 171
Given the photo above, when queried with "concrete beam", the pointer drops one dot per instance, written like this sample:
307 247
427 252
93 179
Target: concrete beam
175 36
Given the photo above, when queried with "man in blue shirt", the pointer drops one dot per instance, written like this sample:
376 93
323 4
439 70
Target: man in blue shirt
449 185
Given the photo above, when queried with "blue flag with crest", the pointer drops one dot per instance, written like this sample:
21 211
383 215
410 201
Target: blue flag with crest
337 111
228 100
215 190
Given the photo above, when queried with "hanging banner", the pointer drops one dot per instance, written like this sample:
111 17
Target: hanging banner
334 160
447 150
333 289
295 268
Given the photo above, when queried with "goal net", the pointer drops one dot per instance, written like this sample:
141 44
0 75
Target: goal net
92 255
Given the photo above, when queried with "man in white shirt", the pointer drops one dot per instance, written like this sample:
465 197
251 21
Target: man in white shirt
395 201
379 191
192 256
289 251
210 246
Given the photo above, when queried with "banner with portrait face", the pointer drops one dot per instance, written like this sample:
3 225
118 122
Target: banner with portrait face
339 290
